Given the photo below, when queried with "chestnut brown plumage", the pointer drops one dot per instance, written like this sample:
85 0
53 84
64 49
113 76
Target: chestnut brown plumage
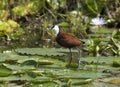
67 40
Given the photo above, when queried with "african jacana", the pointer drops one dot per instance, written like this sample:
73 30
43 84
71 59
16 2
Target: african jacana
67 40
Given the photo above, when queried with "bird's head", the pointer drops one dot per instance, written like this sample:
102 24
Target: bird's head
55 28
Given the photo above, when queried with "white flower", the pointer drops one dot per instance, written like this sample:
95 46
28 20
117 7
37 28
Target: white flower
99 21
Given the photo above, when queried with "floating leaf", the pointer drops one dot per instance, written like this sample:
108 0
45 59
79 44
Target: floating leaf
43 51
101 60
4 57
30 63
50 84
34 62
4 71
45 62
32 74
116 63
53 72
19 67
81 82
27 76
9 78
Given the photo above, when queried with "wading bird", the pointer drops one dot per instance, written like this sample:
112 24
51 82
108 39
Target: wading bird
67 40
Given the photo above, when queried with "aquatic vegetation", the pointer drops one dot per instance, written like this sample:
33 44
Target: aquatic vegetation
50 70
31 58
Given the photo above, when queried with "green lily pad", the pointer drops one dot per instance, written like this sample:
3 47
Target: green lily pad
4 71
116 63
81 82
43 51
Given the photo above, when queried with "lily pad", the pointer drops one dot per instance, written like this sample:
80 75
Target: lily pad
43 51
4 71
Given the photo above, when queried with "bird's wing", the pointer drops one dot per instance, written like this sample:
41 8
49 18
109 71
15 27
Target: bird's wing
67 35
68 40
73 36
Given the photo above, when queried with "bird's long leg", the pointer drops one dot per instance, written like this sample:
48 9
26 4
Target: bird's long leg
71 56
79 56
79 59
